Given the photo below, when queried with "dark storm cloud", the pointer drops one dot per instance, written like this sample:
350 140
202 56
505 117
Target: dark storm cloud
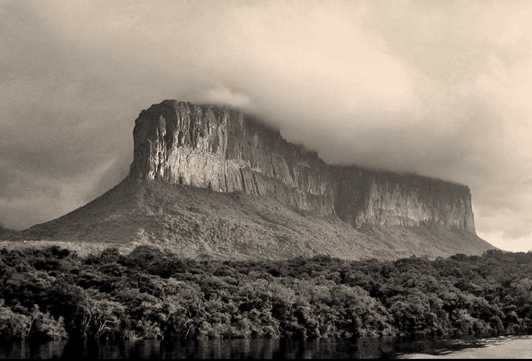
433 87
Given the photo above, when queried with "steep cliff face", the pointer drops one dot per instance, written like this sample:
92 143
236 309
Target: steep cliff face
211 181
227 151
381 198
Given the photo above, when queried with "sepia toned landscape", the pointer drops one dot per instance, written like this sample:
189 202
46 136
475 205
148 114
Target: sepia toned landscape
245 179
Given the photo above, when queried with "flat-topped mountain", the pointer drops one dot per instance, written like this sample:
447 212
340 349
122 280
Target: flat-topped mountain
225 151
213 180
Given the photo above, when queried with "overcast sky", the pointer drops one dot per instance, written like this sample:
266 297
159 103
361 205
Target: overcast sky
440 88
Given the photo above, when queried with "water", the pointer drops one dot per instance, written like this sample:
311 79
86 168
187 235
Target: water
508 347
501 347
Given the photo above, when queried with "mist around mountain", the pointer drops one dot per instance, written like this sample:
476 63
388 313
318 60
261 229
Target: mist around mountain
211 181
223 229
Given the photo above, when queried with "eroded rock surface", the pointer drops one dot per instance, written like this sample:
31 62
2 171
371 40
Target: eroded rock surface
210 181
225 150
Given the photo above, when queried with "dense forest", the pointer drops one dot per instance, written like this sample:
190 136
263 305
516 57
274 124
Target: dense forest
52 293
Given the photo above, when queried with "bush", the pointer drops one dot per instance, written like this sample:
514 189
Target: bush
44 327
13 325
52 293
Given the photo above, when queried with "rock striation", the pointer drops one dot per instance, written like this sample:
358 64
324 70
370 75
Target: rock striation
225 150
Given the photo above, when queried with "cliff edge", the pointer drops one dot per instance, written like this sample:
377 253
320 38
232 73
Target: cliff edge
226 151
211 180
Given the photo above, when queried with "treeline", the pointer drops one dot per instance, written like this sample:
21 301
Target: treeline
52 293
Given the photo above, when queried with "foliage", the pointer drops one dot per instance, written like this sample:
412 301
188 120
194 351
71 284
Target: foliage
51 293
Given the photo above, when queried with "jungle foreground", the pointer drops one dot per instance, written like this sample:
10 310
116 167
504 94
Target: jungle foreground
54 294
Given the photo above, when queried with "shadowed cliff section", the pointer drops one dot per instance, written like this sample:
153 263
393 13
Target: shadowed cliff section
212 181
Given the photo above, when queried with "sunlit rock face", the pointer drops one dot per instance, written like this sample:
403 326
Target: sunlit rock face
225 150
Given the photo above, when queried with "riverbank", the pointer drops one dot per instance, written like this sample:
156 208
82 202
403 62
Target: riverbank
389 348
53 294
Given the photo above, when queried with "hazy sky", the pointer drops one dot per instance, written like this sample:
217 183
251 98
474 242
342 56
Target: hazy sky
441 88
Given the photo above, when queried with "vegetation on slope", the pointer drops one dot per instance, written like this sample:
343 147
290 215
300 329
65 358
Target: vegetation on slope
193 222
52 293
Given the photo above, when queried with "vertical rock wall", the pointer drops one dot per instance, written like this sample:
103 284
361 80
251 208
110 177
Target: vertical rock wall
227 151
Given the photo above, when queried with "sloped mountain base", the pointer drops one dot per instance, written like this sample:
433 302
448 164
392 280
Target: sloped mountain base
196 222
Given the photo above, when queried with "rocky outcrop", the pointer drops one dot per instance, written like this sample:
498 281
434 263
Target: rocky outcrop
210 181
225 150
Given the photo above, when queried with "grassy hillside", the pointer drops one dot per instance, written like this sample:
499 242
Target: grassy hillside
196 222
